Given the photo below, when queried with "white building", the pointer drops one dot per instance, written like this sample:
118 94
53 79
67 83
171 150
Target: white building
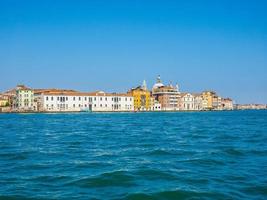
227 104
69 101
187 102
198 102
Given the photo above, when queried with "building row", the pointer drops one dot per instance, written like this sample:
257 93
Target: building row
250 106
160 98
169 98
57 100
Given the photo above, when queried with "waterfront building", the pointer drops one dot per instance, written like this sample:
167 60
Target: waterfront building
23 99
187 102
4 100
216 102
155 105
227 104
142 98
250 106
10 95
168 96
198 101
207 100
69 101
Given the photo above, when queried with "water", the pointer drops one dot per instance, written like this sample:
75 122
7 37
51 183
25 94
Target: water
209 155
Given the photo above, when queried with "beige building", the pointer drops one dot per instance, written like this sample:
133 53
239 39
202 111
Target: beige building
198 101
216 102
187 102
155 105
227 104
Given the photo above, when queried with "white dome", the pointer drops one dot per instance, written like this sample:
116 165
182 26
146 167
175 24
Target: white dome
157 85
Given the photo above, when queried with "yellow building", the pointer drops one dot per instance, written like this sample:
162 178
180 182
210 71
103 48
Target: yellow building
142 98
207 97
4 101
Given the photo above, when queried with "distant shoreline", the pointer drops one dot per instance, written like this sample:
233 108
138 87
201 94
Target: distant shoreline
133 112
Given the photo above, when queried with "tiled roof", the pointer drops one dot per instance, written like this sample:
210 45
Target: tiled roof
74 93
52 90
185 93
226 99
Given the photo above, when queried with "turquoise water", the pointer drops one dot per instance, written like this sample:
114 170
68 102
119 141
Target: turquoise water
207 155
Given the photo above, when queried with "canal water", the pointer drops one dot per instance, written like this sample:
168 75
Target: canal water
205 155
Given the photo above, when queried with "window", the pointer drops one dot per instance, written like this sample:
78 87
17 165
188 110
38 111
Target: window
58 98
95 98
85 98
100 98
79 98
95 105
52 98
106 98
125 98
73 105
106 105
100 105
73 98
66 98
46 98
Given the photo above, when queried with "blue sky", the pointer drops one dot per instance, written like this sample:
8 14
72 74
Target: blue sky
114 45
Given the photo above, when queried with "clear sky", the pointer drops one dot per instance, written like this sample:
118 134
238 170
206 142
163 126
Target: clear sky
114 45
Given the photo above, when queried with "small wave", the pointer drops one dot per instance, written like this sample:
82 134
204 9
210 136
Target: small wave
256 190
159 152
257 152
94 165
153 174
18 197
15 156
234 152
205 162
178 194
112 179
49 178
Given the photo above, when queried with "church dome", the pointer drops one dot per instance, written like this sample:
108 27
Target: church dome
158 83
